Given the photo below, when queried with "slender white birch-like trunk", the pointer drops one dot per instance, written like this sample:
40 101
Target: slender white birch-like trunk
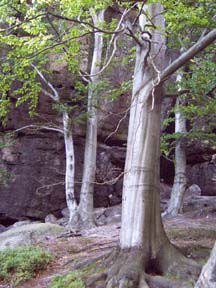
180 180
70 171
69 152
89 167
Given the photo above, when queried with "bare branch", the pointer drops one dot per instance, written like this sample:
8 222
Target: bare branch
54 96
47 186
118 29
118 125
116 34
109 60
200 45
111 181
21 23
131 34
39 127
138 15
97 29
48 94
61 43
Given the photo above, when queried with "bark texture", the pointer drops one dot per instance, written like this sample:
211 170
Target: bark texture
207 278
70 171
89 167
144 245
141 222
180 181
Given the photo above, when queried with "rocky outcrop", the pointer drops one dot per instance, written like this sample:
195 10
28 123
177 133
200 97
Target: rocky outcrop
36 165
28 234
204 175
34 160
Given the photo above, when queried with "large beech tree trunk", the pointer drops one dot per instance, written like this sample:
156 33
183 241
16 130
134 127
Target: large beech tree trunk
180 181
86 195
141 221
143 242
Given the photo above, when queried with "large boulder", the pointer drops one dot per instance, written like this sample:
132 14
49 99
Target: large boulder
204 175
28 234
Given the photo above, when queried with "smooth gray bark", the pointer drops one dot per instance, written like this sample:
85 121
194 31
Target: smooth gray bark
89 167
141 223
207 278
199 46
69 152
70 171
180 180
142 239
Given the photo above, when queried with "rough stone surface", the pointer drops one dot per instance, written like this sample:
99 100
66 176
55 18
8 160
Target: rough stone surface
20 223
28 234
2 228
50 218
104 216
204 175
35 161
202 204
193 191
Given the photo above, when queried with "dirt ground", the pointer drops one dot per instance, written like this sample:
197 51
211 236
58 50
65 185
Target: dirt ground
194 233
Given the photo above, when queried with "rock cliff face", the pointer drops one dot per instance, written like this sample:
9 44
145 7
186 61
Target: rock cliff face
35 159
204 175
35 163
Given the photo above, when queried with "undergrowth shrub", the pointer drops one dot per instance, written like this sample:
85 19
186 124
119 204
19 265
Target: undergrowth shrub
70 280
22 263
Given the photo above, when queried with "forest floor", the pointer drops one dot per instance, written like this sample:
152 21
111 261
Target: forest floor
194 232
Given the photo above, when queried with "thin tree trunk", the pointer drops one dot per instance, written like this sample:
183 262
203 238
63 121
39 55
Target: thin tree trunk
86 195
180 181
69 152
70 171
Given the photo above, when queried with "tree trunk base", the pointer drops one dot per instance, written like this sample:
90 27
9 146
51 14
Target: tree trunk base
129 268
172 262
77 223
127 271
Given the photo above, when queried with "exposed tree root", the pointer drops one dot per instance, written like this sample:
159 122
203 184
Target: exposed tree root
129 268
163 282
127 271
170 261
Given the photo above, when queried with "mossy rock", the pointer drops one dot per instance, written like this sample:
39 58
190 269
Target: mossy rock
28 234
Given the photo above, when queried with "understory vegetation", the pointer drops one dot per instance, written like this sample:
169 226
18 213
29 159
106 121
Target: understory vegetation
23 263
97 67
71 280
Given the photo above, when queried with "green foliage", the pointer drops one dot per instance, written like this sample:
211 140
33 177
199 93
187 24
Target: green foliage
125 88
22 263
71 280
186 20
29 34
198 104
